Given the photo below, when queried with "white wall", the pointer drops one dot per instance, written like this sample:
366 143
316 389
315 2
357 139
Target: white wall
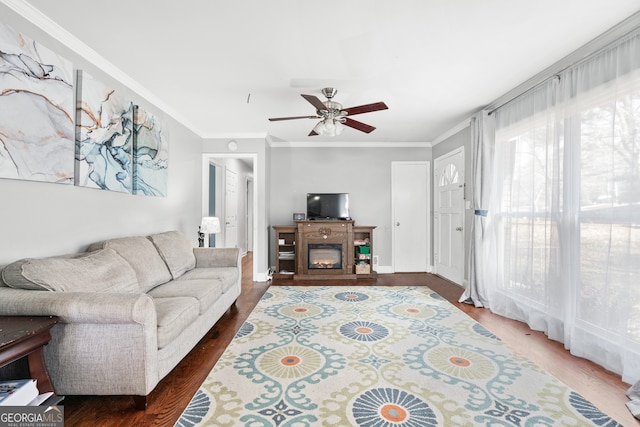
42 219
363 172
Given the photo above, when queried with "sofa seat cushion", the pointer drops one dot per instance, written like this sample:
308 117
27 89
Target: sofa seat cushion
98 271
227 276
176 250
207 292
142 255
174 315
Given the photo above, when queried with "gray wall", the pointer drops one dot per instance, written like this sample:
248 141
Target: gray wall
364 173
460 139
42 219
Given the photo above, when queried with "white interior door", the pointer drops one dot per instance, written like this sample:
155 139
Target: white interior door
449 216
249 204
410 215
231 210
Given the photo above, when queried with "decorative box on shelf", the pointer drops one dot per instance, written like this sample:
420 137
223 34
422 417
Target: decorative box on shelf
363 268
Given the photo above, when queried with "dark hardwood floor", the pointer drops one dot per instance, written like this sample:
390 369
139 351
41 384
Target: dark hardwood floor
171 396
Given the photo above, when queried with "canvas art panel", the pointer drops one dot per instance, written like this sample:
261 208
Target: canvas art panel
104 136
36 111
150 155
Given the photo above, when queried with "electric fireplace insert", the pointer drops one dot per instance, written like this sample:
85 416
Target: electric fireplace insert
326 256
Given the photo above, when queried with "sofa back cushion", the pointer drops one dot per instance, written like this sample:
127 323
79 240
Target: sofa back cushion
99 271
176 250
140 253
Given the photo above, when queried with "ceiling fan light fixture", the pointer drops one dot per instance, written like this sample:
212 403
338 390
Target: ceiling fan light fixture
333 118
319 128
328 127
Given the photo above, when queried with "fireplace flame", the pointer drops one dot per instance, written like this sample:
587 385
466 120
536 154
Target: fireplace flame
325 258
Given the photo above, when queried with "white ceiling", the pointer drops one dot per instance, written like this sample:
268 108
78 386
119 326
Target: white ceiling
224 67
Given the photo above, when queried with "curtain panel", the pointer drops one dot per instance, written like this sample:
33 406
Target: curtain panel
479 258
563 215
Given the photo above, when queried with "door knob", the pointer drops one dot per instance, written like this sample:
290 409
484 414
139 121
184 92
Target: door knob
397 224
458 228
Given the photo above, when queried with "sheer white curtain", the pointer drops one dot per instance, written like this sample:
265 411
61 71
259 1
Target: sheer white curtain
482 146
602 106
526 211
565 209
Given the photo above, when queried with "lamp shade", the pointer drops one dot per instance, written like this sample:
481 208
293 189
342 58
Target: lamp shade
210 225
319 128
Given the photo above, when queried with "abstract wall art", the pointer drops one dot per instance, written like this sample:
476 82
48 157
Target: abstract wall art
36 111
104 136
150 154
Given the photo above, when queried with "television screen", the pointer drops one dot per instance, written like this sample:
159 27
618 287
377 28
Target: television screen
328 206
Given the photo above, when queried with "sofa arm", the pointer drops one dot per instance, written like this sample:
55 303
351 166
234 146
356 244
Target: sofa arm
79 307
217 257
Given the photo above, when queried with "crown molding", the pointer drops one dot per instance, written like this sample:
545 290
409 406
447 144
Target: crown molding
616 32
583 53
345 144
448 134
237 135
46 24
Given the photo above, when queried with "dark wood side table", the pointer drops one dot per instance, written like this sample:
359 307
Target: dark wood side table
26 336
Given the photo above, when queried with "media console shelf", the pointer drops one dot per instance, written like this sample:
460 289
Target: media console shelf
324 249
363 250
285 252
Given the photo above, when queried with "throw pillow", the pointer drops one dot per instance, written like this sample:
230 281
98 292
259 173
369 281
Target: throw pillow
176 250
140 253
98 271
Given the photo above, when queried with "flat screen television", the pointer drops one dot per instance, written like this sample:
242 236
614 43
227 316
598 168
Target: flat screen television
333 206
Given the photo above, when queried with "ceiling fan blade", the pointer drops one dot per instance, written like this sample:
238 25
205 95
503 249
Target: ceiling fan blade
276 119
376 106
315 101
362 127
312 133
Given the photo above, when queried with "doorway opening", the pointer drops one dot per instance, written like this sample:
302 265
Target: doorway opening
236 208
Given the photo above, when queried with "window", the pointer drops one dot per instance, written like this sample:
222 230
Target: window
565 208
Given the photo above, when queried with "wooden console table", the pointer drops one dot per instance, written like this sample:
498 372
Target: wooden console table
24 336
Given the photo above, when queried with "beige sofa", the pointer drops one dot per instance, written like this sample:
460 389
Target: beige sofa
129 309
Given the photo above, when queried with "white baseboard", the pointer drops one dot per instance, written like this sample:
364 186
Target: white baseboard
388 269
384 269
380 269
261 277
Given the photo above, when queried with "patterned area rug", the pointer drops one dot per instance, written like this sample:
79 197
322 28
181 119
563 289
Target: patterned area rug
379 357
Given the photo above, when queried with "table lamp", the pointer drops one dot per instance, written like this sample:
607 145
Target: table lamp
209 225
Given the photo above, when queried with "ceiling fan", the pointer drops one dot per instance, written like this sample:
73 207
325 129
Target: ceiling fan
333 117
